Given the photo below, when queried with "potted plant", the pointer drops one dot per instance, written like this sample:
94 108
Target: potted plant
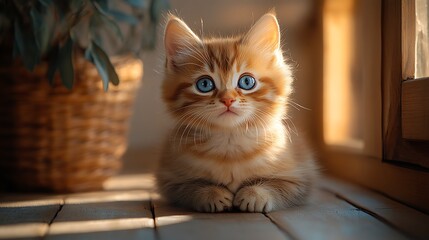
62 123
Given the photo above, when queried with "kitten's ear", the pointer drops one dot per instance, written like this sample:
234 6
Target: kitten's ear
265 34
178 36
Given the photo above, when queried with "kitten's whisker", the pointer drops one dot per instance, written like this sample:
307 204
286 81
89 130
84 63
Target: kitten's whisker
182 120
293 103
256 128
207 132
294 130
296 107
264 112
287 123
194 126
256 119
288 129
180 123
264 124
198 121
185 118
184 131
188 128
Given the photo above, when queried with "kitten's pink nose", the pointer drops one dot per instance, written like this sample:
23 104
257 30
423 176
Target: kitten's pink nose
227 101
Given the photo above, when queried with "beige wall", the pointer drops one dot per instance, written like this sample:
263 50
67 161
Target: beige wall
150 122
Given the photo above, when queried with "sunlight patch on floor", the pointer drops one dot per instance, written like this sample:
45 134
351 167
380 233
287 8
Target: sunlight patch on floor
32 203
100 225
23 230
99 197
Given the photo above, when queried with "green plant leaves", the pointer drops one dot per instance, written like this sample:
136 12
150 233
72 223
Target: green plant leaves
102 15
32 40
51 30
104 4
103 65
43 23
65 64
109 8
61 58
136 3
120 16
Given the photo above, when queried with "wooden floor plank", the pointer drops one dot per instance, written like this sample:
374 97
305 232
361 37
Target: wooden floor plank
178 224
27 216
408 220
327 217
104 216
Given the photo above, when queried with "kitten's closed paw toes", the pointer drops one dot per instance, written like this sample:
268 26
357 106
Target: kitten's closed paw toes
253 199
214 199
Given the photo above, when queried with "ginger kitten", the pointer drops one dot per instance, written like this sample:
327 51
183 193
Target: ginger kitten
230 146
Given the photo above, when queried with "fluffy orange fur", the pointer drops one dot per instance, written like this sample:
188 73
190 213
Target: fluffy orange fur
230 147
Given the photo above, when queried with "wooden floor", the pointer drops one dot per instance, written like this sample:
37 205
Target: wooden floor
130 209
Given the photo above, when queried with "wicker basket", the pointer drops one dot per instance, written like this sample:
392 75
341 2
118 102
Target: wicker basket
53 139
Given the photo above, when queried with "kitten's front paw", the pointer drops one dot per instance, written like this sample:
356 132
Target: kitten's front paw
214 199
254 199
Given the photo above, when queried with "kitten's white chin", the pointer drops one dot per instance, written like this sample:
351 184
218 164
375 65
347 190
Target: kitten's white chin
228 119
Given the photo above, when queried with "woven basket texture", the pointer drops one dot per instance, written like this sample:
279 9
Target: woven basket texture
53 139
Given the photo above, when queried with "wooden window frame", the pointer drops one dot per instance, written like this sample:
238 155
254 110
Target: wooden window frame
387 174
398 40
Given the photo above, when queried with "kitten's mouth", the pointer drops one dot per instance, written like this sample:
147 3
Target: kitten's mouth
228 112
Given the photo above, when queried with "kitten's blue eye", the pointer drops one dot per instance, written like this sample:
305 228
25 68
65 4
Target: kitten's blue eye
246 82
205 85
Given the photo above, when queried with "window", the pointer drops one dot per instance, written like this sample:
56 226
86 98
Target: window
405 98
422 39
373 88
351 76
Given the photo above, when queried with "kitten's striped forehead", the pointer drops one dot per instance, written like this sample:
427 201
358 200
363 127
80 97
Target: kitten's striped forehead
222 55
